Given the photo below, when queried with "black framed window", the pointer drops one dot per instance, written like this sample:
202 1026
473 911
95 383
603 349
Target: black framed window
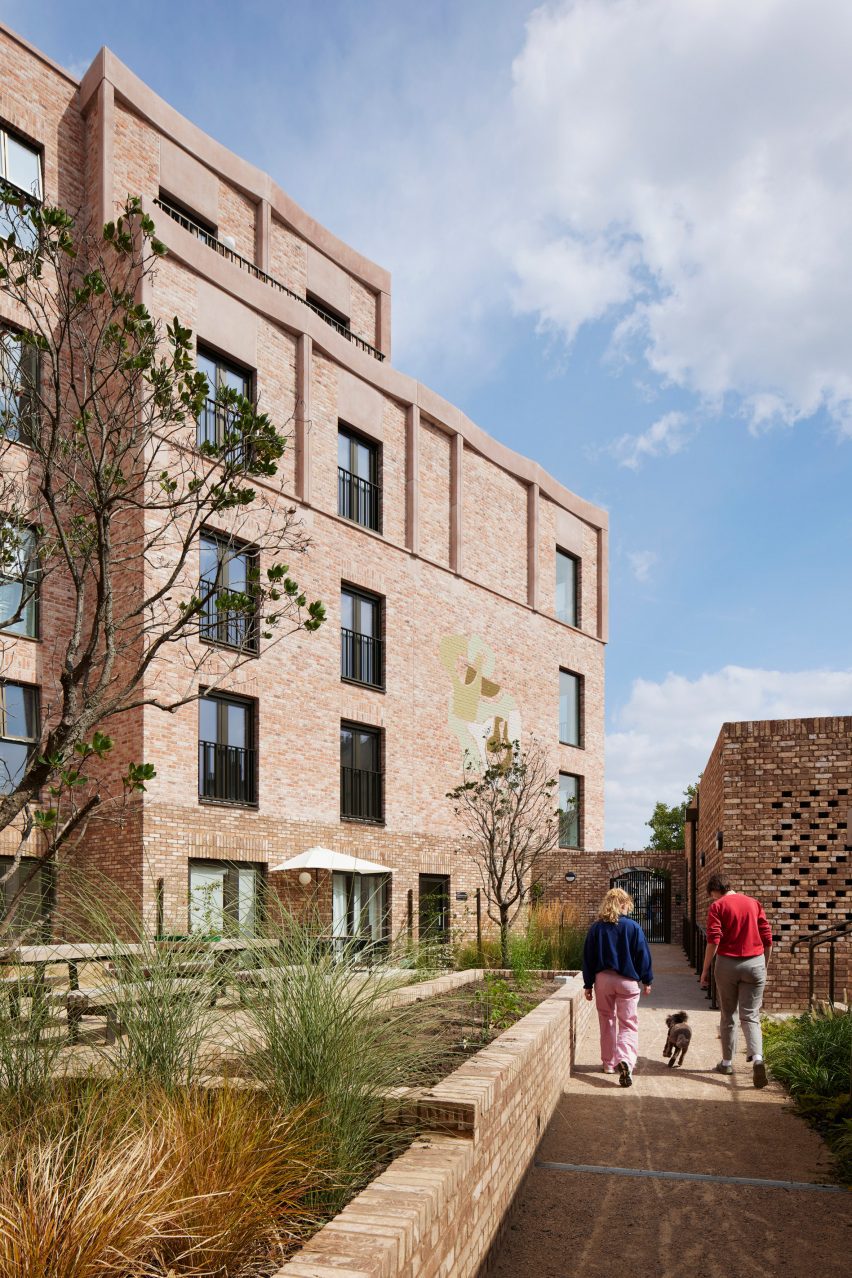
216 422
361 645
188 218
358 491
570 694
329 314
434 907
228 574
20 164
19 731
18 384
19 578
569 810
227 759
361 781
225 897
567 582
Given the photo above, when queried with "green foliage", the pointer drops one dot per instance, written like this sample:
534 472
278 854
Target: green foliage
812 1056
667 823
499 1005
327 1038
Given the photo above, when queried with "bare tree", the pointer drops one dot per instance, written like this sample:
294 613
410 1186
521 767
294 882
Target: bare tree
508 810
116 456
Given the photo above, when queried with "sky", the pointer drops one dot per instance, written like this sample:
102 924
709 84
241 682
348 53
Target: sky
618 232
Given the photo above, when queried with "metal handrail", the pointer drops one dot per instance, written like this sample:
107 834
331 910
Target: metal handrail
361 658
360 794
226 773
694 944
245 264
825 936
358 499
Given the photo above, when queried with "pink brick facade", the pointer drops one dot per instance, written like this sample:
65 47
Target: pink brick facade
466 546
774 812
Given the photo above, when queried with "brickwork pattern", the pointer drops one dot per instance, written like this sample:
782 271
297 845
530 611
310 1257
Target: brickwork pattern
595 870
778 792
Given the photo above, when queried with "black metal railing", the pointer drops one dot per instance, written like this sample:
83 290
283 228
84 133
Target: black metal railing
360 794
358 499
695 943
230 627
226 773
815 940
361 658
215 424
249 267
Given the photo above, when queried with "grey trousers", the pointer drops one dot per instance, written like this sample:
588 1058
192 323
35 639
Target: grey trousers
739 987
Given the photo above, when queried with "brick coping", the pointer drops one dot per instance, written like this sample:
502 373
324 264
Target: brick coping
436 1209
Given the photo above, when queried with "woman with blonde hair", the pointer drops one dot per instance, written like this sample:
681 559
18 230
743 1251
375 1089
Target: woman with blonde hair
616 960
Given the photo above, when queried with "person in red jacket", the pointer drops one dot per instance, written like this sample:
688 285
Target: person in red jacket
740 939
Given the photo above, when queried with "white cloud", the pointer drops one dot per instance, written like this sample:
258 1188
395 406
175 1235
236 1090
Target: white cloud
698 158
664 734
667 435
641 562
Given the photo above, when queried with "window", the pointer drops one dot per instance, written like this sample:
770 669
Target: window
216 422
188 218
224 897
18 385
329 314
18 581
359 910
358 490
228 575
226 754
20 164
569 708
19 731
30 886
360 773
434 907
361 648
566 588
569 810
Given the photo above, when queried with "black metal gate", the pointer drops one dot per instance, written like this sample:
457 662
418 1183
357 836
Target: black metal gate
652 901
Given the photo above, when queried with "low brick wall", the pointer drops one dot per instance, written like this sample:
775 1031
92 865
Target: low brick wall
437 1208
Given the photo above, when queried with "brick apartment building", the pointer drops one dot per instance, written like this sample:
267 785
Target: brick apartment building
774 812
466 588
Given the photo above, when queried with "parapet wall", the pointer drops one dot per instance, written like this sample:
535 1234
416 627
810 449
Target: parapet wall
438 1207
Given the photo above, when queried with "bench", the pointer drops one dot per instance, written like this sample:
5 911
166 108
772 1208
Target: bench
110 1001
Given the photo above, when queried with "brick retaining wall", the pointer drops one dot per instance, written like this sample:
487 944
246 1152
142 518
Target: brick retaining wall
436 1209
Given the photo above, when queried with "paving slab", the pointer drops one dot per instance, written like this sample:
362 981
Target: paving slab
688 1121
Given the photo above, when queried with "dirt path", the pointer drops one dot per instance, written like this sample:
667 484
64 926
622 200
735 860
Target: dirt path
690 1120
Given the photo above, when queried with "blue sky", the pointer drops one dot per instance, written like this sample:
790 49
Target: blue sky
618 233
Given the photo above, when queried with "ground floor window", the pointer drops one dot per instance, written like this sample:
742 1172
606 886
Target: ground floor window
434 907
29 891
224 897
359 909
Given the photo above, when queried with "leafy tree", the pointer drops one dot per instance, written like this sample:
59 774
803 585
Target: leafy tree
667 823
508 810
104 490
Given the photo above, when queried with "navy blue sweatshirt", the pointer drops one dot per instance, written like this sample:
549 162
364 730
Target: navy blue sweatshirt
617 947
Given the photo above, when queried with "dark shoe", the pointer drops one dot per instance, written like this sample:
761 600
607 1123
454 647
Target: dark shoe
724 1069
758 1074
625 1078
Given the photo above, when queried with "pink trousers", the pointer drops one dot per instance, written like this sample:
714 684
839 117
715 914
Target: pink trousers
617 1001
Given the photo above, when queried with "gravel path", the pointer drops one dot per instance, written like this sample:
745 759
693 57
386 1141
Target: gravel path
567 1222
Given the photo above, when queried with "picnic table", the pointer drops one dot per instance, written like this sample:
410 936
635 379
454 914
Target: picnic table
121 959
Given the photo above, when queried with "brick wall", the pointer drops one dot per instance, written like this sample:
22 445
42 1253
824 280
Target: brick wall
778 792
437 1208
595 870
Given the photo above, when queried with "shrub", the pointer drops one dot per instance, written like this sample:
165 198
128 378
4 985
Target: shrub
810 1054
326 1038
29 1043
556 935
